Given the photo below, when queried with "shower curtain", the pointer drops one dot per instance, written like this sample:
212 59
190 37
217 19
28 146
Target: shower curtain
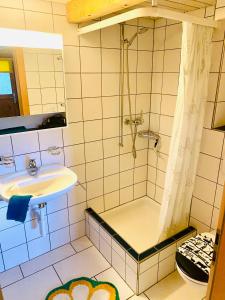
187 129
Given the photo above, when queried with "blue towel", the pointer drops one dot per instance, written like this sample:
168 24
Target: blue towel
18 207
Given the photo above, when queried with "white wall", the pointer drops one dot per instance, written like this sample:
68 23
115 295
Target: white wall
209 180
90 145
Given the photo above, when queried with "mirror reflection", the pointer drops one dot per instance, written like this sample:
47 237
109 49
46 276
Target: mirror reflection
31 81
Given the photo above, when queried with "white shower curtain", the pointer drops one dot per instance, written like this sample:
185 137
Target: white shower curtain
187 128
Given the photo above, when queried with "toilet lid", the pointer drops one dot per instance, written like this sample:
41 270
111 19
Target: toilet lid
194 256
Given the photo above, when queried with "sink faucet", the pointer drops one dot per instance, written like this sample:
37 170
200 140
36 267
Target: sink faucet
32 168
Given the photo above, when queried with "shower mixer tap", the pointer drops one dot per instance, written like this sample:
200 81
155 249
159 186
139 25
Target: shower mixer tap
136 121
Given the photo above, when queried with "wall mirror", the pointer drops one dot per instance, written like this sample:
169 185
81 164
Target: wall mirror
31 76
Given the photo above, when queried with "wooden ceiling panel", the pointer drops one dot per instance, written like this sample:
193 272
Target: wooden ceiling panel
79 11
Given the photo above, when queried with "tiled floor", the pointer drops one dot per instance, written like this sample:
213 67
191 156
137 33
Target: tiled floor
34 279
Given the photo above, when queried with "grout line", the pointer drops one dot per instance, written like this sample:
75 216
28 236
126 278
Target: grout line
57 274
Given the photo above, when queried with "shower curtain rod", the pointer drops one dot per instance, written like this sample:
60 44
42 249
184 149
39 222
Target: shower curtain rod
154 12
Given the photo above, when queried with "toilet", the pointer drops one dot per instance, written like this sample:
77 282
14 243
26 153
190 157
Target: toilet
194 257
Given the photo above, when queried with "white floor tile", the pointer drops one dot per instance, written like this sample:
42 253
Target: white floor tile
81 244
111 276
10 276
86 263
35 286
174 287
47 259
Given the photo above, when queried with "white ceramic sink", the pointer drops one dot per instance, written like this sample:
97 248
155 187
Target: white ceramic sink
50 182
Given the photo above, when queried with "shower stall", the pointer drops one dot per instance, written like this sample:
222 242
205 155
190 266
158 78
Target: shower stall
129 234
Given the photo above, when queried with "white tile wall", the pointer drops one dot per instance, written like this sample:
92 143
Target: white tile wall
92 83
166 61
209 180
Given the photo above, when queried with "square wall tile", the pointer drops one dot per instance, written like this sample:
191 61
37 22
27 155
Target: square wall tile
5 146
77 195
93 151
26 142
201 211
94 170
131 278
76 213
111 37
18 235
110 127
166 267
118 264
172 60
90 60
38 246
97 204
148 278
144 61
59 237
160 178
105 249
73 86
93 130
148 263
111 183
212 142
170 83
126 178
208 167
73 134
74 155
110 60
204 189
111 200
110 107
49 138
15 256
159 38
111 165
71 59
58 220
110 84
173 36
12 18
39 6
33 230
48 158
91 85
77 230
92 108
38 21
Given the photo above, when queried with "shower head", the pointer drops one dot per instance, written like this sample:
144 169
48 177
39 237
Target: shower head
140 31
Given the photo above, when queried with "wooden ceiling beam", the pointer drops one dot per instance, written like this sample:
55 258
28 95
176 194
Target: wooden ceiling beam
79 11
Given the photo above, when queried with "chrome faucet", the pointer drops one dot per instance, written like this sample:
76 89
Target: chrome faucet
32 167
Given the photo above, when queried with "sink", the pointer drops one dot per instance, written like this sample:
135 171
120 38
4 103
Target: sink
51 182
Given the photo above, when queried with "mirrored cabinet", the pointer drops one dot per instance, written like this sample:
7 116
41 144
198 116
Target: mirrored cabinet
32 88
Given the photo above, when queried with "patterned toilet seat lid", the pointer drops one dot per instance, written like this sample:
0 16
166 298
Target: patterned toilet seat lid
199 251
